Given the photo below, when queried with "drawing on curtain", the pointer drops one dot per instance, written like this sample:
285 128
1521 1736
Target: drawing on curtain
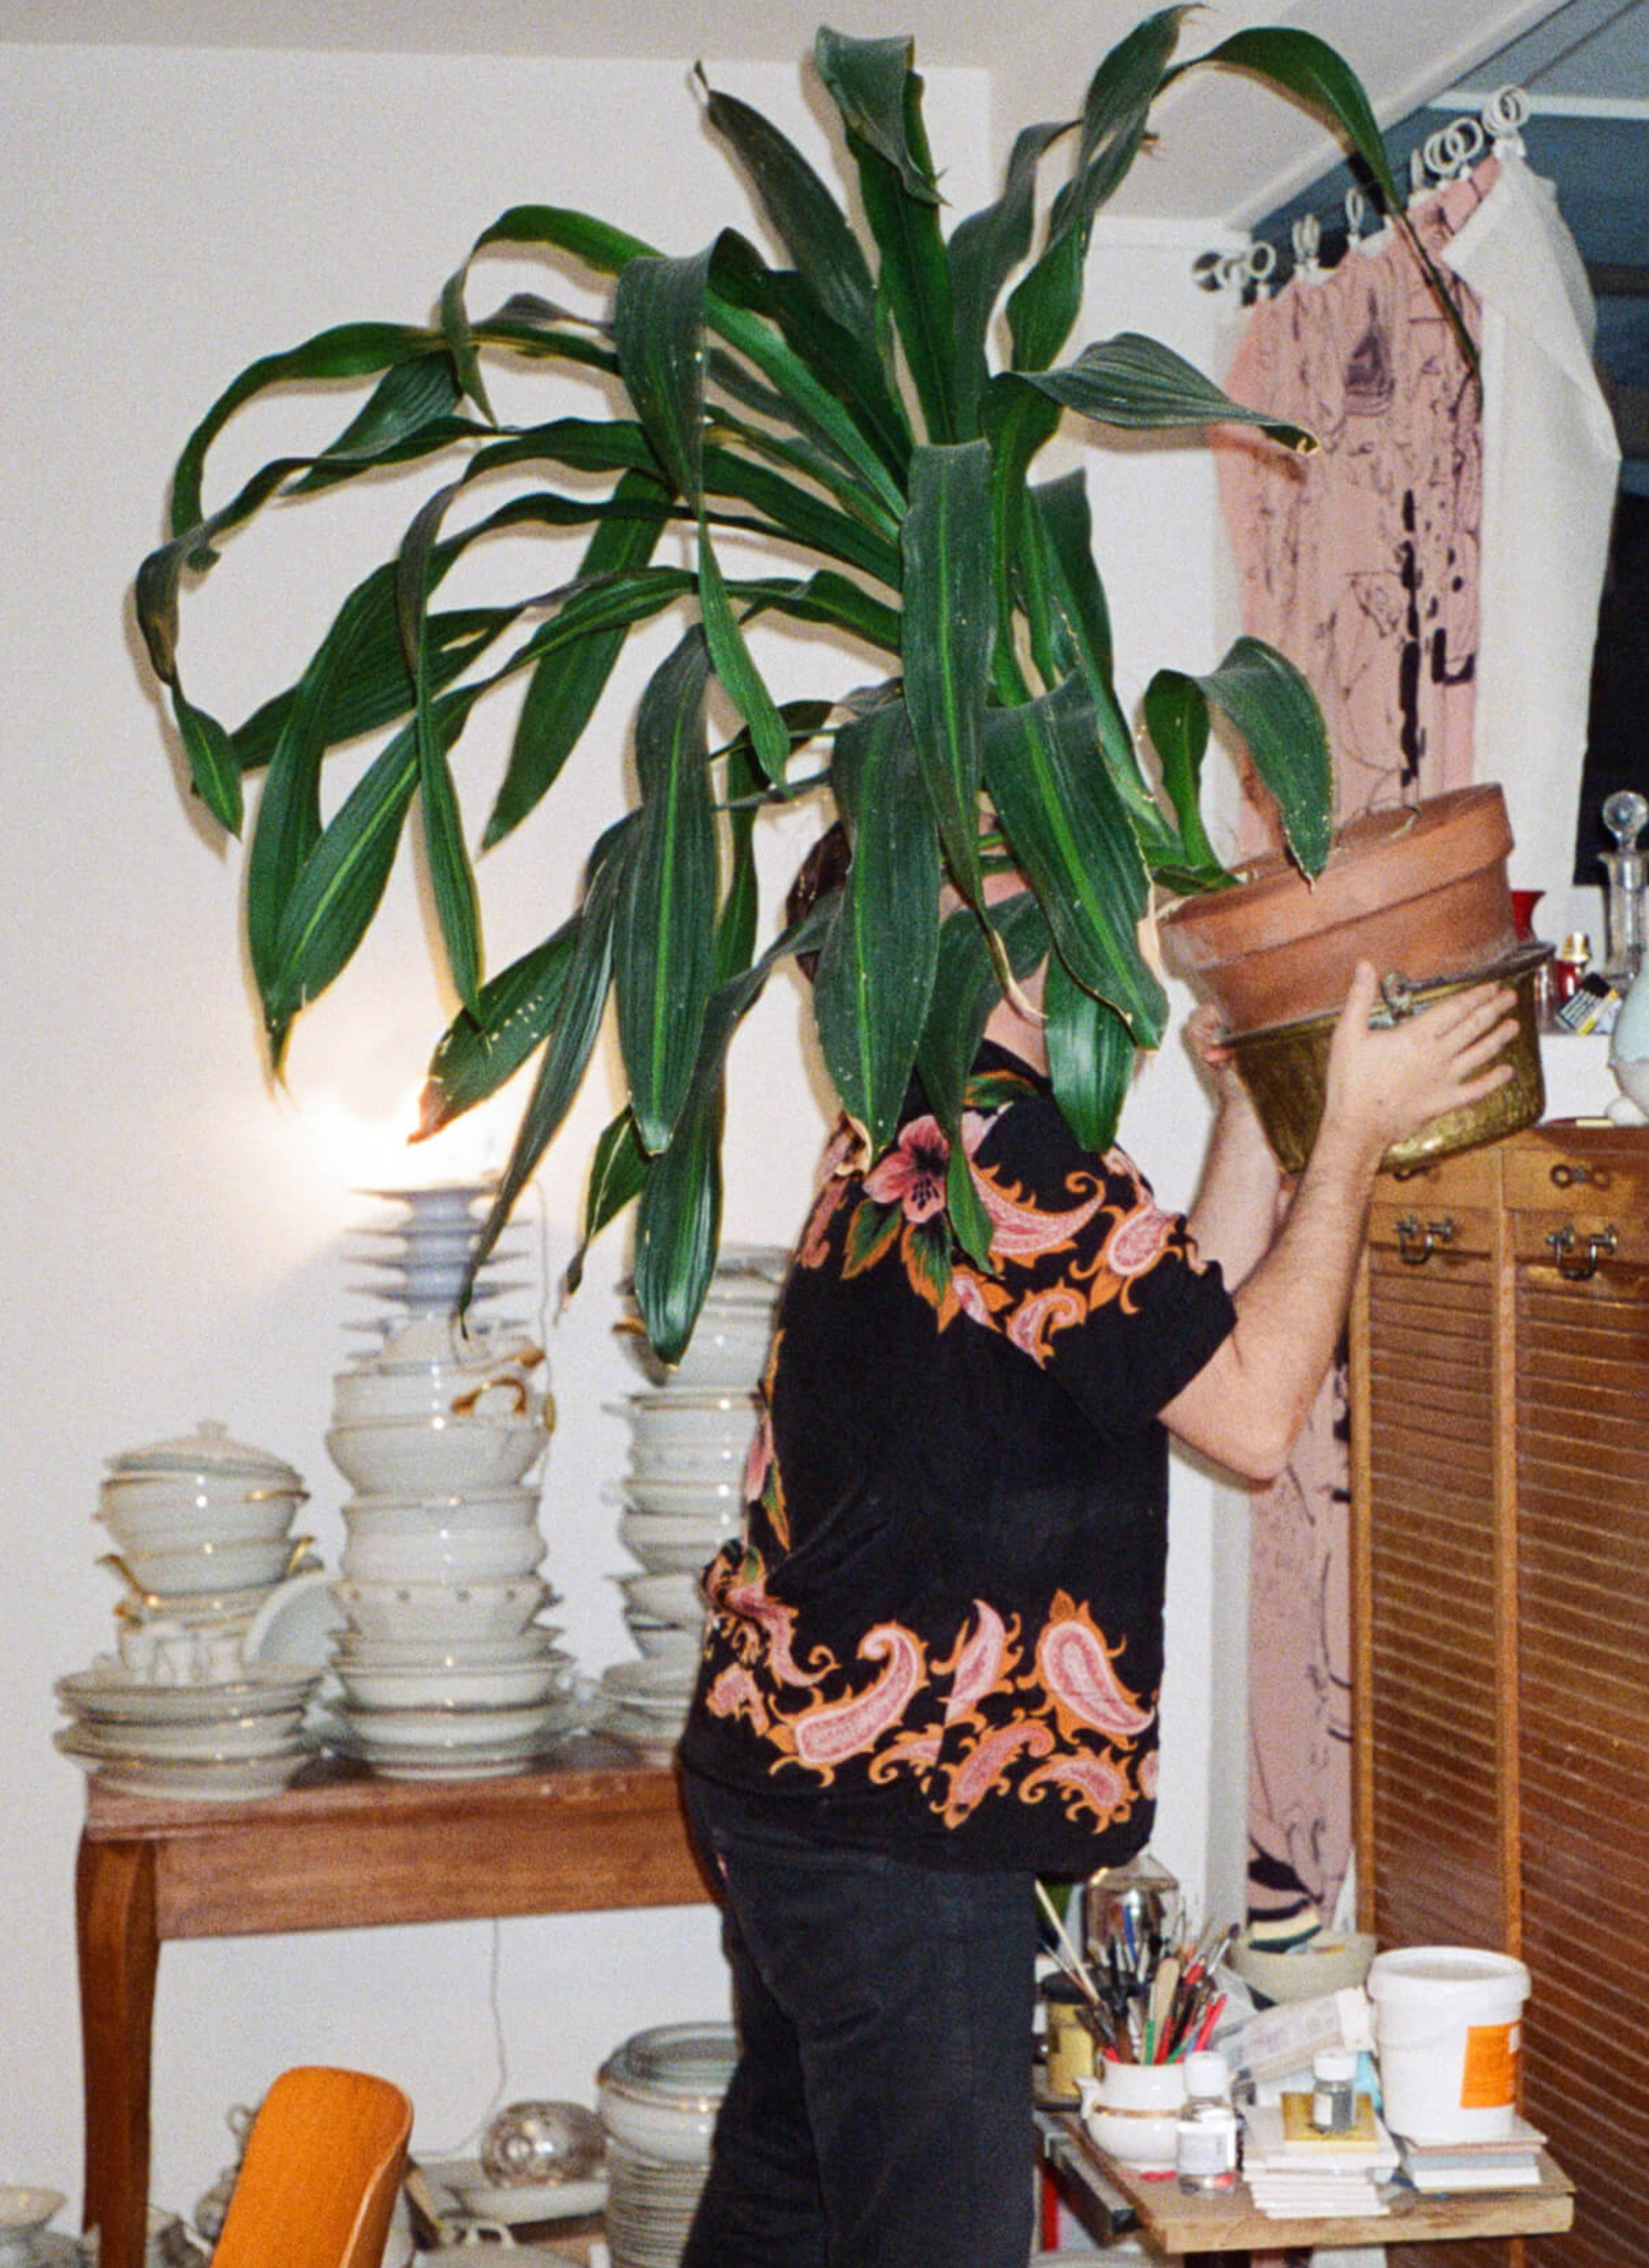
1362 564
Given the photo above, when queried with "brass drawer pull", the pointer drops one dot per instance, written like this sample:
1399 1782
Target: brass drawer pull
1576 1268
1565 1175
1416 1244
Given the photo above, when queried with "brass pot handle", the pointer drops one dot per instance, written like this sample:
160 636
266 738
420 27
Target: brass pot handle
1416 1243
1579 1267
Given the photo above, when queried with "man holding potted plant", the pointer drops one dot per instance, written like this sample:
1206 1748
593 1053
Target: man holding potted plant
934 1657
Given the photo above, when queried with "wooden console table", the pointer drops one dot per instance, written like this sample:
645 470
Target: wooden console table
1205 2225
339 1850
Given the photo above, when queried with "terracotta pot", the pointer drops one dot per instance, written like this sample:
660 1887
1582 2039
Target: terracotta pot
1422 893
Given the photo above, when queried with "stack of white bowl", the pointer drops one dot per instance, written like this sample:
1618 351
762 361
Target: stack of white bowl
188 1706
444 1670
691 1431
657 2096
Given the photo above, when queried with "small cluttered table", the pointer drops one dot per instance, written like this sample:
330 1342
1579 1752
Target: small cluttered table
1227 2221
337 1850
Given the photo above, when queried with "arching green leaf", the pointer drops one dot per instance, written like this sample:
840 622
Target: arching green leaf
982 252
477 1054
869 82
1044 305
1069 835
875 973
565 686
1276 711
571 1040
1139 384
664 944
804 216
1090 1057
659 329
949 636
1176 718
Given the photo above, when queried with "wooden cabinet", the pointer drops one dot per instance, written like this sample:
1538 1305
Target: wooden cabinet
1500 1518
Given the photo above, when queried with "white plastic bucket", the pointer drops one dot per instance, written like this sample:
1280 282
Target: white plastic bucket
1447 2033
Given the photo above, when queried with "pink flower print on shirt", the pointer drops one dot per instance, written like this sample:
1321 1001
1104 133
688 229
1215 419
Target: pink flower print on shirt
912 1173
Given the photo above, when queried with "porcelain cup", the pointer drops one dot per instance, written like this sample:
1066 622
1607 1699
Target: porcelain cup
404 1515
1133 2109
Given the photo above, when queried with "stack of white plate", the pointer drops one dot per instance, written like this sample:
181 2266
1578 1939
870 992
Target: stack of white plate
444 1670
683 1495
658 2093
202 1527
232 1739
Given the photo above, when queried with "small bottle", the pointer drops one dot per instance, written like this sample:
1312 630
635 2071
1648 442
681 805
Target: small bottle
1569 965
1334 2090
1205 2139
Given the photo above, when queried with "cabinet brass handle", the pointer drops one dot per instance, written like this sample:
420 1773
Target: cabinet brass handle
1573 1267
1567 1176
1416 1243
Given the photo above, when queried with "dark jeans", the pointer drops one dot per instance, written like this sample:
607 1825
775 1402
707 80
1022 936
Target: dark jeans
880 2114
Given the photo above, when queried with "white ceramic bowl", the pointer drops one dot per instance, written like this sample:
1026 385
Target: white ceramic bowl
666 1546
658 2093
208 1568
179 1528
438 1389
441 1611
676 1419
452 1728
482 1555
149 1514
683 1500
664 1641
501 1509
418 1457
440 1688
676 1599
536 1643
271 1733
728 1348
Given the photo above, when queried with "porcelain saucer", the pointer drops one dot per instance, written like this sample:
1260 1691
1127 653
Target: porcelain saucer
518 2204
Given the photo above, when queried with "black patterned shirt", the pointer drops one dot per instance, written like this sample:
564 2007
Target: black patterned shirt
940 1633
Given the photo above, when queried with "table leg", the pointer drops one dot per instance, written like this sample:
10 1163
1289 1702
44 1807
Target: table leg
119 1954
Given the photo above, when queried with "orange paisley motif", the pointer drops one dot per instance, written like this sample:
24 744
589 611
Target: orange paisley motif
1074 1662
830 1732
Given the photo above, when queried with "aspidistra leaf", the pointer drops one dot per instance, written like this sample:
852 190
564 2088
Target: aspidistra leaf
982 252
618 1172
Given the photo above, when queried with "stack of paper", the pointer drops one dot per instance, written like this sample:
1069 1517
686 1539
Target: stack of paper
1295 2173
1510 2162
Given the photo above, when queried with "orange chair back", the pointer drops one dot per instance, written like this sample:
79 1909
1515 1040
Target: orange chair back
322 2167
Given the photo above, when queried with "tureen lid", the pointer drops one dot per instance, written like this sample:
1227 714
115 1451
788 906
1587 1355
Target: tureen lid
208 1449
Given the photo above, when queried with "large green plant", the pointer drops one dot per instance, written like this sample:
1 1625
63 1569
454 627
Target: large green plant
855 411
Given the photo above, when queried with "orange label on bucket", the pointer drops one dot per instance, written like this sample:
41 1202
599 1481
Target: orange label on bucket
1488 2080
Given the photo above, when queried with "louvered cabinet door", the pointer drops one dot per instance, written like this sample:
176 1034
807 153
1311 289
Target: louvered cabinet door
1500 1524
1579 1223
1428 1574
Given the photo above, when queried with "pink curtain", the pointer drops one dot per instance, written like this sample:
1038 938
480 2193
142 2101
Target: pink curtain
1361 562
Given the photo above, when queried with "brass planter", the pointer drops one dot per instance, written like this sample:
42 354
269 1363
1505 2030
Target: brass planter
1284 1068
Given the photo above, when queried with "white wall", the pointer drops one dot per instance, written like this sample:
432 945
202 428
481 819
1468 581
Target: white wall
177 1234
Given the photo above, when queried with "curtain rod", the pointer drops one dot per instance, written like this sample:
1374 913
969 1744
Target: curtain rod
1443 156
